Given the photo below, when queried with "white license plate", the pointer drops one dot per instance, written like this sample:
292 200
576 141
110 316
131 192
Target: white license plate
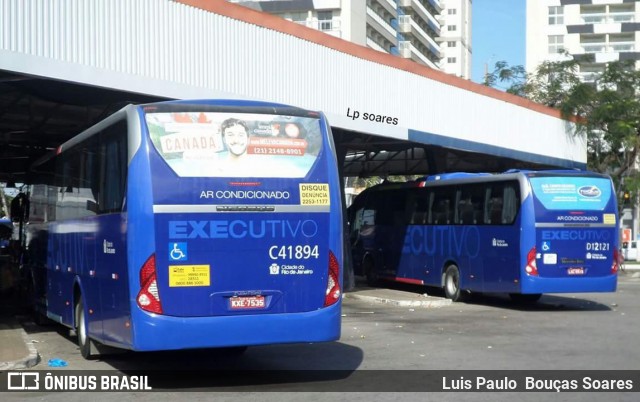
247 302
575 271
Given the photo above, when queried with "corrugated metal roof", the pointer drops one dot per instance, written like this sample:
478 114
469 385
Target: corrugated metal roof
203 49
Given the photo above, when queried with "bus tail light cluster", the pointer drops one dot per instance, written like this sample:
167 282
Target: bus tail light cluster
148 297
333 292
531 268
615 265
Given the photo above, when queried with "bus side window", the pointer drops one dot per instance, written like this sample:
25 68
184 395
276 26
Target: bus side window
503 203
357 221
443 211
382 214
465 211
511 203
89 174
478 210
112 167
398 205
470 208
495 211
440 211
420 209
368 217
493 206
67 205
357 224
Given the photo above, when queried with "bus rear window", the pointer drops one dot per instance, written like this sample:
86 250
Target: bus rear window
572 193
207 144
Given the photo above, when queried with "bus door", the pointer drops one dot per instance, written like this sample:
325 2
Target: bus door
500 237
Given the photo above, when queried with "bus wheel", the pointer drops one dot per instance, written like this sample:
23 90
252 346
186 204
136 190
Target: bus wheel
452 284
525 297
81 330
370 272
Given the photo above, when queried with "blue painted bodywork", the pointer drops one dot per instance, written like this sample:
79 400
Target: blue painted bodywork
99 258
492 258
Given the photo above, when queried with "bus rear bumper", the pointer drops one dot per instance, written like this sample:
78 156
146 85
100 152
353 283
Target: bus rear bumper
569 285
157 332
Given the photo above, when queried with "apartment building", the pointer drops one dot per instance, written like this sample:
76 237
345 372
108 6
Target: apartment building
455 37
435 33
594 31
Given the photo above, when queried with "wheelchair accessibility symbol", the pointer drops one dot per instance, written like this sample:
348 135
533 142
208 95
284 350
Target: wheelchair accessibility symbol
177 251
546 246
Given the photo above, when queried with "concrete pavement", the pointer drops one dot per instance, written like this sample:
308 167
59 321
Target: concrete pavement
401 298
18 352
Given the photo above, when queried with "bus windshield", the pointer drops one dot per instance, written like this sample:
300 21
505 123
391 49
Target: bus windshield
214 144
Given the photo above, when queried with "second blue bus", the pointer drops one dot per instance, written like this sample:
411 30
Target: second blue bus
524 233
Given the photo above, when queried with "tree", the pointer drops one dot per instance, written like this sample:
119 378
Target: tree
514 76
605 109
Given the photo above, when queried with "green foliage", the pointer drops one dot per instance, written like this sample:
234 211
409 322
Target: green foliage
503 74
606 111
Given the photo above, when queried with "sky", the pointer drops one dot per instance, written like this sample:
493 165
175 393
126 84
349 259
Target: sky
497 34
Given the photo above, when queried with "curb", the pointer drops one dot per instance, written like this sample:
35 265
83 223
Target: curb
401 303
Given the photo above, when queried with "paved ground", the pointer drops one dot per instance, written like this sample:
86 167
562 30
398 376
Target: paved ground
18 352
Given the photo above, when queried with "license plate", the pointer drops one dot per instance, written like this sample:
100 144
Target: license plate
575 271
247 302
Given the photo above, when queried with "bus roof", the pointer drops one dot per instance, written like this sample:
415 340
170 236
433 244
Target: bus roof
527 173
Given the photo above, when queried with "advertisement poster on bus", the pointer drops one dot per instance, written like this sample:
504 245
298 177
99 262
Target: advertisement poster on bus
579 193
204 144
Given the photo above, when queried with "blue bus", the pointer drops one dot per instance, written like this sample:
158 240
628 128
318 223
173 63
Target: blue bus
521 232
190 224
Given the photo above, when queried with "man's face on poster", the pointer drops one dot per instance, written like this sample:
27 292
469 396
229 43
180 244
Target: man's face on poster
236 138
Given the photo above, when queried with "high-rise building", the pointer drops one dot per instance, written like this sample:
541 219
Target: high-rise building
593 31
455 37
435 33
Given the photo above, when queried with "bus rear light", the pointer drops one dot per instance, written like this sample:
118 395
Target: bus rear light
531 268
615 265
333 292
148 297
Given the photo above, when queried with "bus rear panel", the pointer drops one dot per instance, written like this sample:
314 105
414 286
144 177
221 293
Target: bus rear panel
576 238
246 248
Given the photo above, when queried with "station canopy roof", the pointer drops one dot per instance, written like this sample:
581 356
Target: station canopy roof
38 114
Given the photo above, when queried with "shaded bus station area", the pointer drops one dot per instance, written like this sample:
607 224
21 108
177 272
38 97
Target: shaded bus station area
388 116
39 113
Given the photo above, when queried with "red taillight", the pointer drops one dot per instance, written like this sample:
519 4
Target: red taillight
615 265
531 268
148 298
333 292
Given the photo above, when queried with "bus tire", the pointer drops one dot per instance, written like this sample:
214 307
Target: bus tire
525 298
86 349
452 284
370 272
